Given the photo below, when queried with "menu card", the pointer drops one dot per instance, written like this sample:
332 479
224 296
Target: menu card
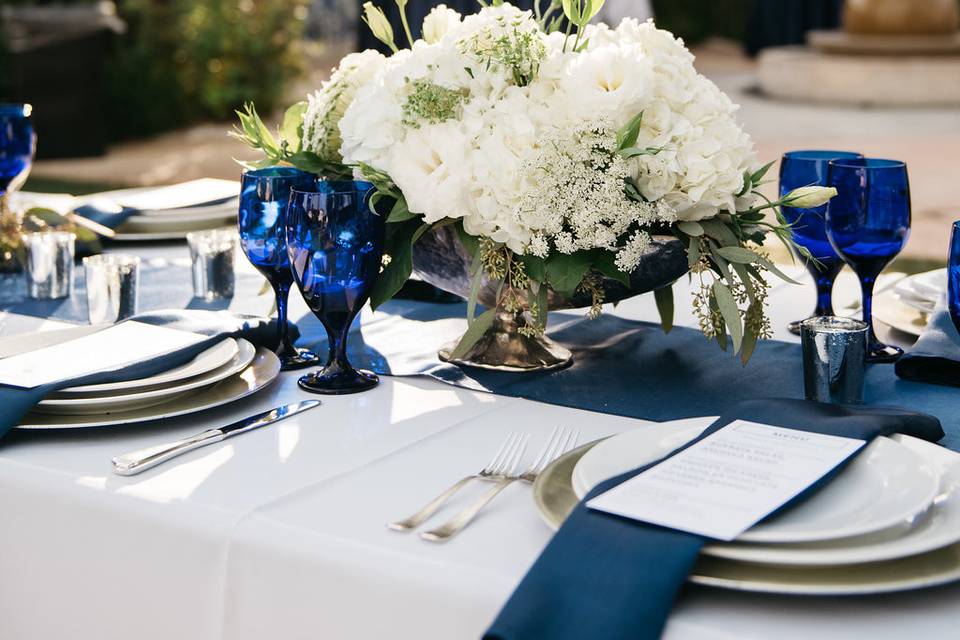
112 348
729 481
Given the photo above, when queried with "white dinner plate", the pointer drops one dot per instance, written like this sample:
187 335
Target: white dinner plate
160 235
555 499
886 484
140 224
891 310
262 371
938 528
204 362
194 213
116 402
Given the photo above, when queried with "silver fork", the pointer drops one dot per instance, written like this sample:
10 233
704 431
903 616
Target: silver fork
495 469
560 441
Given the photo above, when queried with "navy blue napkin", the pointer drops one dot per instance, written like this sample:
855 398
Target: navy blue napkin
112 215
604 576
935 358
216 325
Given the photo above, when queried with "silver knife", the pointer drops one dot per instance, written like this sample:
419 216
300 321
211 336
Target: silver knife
133 463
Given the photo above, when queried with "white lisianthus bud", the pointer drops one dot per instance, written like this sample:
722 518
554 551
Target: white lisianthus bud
438 22
808 197
379 25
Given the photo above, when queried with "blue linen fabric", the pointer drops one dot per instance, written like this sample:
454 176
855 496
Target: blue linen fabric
935 358
215 325
605 576
623 367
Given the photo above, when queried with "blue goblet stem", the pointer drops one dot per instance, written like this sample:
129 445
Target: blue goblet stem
824 277
285 348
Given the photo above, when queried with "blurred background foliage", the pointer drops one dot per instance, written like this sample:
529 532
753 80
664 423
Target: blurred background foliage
182 61
698 20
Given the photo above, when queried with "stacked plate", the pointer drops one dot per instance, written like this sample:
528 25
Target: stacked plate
172 212
889 522
227 371
909 304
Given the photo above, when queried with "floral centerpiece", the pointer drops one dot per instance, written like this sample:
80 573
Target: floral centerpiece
556 151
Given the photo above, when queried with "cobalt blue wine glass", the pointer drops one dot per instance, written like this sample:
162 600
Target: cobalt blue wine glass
868 222
802 169
335 241
17 145
953 276
264 194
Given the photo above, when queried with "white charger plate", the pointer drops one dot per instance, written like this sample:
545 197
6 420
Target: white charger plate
114 402
208 360
891 310
555 499
885 485
938 528
262 371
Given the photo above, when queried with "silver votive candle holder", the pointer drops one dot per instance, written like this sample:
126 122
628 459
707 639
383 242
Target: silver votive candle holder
834 359
49 264
112 283
212 253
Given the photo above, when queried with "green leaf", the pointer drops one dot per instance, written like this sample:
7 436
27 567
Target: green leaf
664 298
690 228
474 332
291 130
628 134
399 246
693 253
309 162
730 312
739 255
400 212
747 185
757 175
744 276
534 267
720 232
565 271
749 344
606 263
633 152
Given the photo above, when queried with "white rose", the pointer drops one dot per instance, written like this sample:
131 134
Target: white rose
438 22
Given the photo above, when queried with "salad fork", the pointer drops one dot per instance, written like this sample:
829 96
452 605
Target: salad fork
561 440
497 468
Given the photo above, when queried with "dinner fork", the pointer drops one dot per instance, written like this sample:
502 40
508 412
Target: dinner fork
561 440
497 468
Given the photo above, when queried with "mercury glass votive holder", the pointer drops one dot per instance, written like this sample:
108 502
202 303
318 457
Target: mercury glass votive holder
112 287
212 253
49 264
834 359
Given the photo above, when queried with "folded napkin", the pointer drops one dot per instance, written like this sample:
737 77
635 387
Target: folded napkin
935 358
603 576
110 214
215 325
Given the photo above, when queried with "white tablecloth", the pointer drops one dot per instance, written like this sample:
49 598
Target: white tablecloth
280 533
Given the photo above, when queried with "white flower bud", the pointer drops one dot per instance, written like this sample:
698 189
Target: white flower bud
378 23
808 197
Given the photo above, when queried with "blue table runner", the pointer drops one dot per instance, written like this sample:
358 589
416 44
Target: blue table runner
622 367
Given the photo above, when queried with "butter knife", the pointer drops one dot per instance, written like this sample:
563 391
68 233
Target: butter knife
134 462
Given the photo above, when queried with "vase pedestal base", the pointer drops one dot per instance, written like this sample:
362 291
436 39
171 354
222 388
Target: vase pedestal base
504 348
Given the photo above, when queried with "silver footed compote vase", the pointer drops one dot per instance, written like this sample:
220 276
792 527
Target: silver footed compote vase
440 258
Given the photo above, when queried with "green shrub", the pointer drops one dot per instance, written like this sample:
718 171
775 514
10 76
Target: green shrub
187 60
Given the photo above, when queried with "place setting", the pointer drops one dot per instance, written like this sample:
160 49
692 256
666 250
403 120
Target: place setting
510 299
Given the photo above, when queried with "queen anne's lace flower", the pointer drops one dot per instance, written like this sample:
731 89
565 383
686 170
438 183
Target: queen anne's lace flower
515 135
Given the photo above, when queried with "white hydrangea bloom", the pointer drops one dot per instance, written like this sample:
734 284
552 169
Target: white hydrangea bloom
325 107
438 22
528 106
